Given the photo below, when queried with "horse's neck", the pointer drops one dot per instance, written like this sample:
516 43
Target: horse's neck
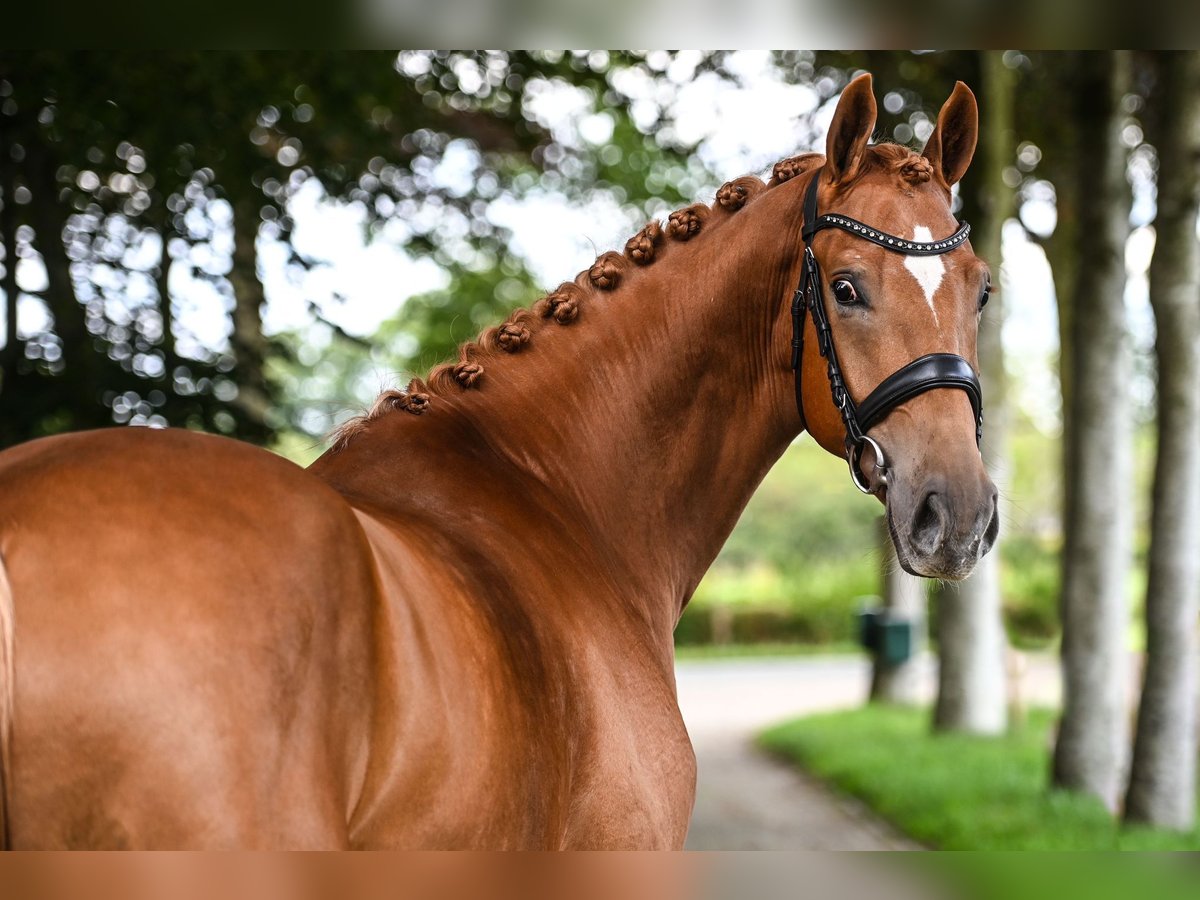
649 420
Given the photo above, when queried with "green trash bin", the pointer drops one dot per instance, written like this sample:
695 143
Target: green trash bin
869 618
894 640
884 635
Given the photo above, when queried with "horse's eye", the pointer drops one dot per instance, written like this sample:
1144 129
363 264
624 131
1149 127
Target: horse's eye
983 298
844 293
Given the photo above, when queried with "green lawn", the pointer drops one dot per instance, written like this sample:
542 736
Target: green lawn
685 652
1056 876
956 792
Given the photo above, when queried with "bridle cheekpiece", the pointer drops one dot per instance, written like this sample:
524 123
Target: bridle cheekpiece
927 373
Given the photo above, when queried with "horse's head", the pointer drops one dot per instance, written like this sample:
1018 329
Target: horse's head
887 308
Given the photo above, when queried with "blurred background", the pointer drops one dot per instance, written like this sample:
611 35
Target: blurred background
255 244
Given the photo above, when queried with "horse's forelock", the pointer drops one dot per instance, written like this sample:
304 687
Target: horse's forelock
900 160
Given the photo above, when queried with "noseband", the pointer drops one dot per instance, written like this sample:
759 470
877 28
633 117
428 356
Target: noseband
929 372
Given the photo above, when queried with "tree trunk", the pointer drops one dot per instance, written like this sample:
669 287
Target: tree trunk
250 346
971 641
905 601
1089 753
73 399
11 352
162 281
1063 69
1162 789
972 680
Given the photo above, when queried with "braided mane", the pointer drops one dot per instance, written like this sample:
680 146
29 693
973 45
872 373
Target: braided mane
561 307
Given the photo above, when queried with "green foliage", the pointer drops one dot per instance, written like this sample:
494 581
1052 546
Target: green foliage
1043 876
707 651
431 326
806 513
136 165
326 377
1029 582
695 627
954 791
119 154
801 556
816 606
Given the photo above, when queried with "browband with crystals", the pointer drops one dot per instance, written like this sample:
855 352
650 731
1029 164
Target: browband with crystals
888 241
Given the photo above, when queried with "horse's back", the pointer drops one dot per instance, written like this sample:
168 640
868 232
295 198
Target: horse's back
192 621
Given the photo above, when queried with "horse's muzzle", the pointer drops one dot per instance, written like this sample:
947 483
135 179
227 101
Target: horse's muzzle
942 530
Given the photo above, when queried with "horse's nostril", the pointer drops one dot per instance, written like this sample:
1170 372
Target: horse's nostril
929 523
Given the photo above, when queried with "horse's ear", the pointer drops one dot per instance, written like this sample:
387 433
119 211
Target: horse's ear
952 143
853 122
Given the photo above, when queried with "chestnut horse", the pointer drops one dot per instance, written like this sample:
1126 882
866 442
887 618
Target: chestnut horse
455 628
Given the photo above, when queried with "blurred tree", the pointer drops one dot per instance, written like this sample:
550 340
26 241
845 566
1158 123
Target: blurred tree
110 156
8 246
325 372
906 601
1162 789
642 165
1090 751
972 685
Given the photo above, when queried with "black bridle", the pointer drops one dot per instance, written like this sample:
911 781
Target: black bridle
929 372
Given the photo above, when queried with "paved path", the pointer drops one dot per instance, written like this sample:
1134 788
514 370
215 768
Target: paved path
746 800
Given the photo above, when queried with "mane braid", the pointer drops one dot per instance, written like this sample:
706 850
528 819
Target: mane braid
900 160
563 305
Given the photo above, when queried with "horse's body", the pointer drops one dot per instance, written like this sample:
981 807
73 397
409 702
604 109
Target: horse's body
316 674
454 629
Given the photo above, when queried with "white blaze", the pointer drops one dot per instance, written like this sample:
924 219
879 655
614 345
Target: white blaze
928 270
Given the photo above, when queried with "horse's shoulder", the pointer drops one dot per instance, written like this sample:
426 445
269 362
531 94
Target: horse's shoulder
217 531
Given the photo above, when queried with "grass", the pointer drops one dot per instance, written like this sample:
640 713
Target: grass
957 792
686 652
1055 876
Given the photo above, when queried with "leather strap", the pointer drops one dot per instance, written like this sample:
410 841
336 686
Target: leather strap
935 370
930 372
889 241
814 223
